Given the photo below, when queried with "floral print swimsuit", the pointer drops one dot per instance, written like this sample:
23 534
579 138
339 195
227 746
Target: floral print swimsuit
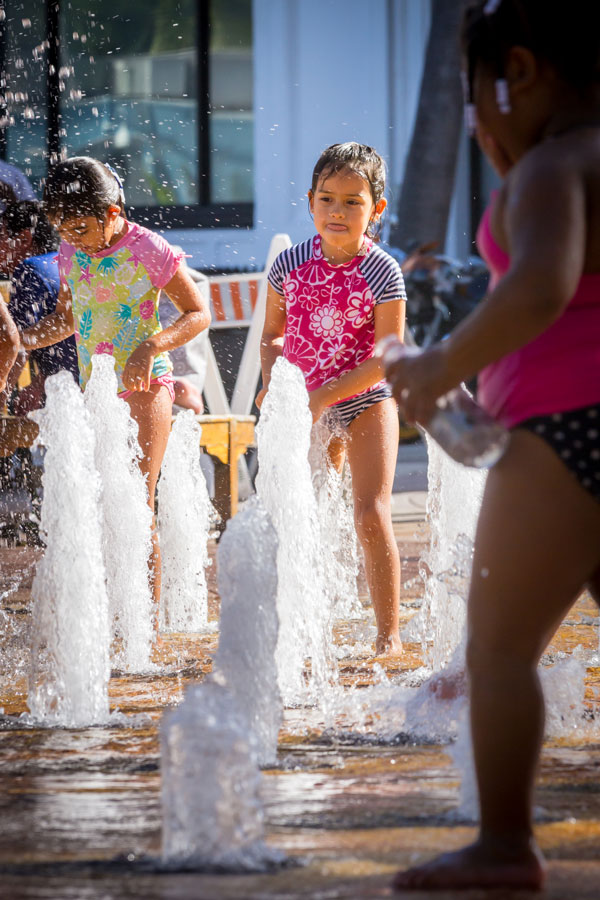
115 297
330 311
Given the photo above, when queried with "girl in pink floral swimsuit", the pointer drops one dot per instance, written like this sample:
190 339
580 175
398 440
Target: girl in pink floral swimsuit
330 299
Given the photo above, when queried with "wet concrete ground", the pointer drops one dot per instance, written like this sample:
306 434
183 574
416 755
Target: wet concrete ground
80 810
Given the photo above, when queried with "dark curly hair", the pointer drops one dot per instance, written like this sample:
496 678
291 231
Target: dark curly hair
29 215
357 158
81 186
566 36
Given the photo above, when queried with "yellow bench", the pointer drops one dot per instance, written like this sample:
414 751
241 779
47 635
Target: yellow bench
225 438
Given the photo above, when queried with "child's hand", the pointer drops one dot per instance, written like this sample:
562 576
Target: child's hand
138 369
316 404
498 157
260 397
417 382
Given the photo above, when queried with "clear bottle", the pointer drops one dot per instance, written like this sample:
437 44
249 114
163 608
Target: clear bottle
462 428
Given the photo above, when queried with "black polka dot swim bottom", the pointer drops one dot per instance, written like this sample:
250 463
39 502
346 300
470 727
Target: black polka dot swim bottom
575 438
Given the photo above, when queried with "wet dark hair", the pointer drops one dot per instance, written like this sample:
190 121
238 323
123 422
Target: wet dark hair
81 186
566 36
29 215
357 158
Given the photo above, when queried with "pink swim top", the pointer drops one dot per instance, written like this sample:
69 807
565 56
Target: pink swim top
330 310
557 371
115 295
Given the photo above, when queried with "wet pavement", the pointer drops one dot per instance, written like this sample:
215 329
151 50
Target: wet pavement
80 809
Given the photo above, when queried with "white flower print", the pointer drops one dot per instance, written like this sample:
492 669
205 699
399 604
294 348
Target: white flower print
124 273
316 273
327 321
300 294
336 351
360 309
300 352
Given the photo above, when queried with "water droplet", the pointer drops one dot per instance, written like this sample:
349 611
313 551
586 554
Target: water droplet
485 572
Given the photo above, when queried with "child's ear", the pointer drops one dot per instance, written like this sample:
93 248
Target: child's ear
311 201
113 211
522 69
380 206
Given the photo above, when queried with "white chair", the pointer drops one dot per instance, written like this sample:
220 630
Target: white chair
237 300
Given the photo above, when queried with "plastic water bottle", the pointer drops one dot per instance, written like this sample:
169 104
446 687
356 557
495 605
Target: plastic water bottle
461 427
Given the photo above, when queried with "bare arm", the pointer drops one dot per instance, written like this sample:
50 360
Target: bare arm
9 344
271 345
53 328
194 318
545 227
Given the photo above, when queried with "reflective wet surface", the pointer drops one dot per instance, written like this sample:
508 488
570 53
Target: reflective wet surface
80 809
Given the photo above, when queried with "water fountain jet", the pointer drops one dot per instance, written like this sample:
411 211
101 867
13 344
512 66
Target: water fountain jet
184 518
70 669
126 518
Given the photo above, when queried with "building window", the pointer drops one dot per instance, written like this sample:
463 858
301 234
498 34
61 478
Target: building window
162 89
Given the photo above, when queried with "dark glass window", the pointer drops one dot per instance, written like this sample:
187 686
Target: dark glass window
162 89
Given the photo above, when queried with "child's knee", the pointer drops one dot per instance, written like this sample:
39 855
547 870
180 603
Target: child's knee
371 517
489 662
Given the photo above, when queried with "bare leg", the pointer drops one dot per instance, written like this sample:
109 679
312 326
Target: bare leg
152 411
372 450
188 396
336 453
537 544
593 586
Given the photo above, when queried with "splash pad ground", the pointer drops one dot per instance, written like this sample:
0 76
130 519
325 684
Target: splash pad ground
81 808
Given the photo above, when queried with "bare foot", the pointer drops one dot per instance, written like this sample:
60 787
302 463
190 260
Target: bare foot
388 646
489 865
160 648
448 686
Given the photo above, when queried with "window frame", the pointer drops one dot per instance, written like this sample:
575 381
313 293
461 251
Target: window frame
203 214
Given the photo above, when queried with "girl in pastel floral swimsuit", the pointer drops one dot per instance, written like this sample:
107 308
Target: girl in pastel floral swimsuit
329 300
112 272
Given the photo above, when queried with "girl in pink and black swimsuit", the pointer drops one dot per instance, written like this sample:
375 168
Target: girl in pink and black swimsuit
551 386
533 79
330 298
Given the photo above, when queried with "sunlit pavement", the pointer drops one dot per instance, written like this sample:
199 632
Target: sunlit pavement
81 809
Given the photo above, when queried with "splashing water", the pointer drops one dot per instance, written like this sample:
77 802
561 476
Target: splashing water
284 485
387 709
339 544
245 660
563 685
212 810
70 668
184 516
453 503
126 518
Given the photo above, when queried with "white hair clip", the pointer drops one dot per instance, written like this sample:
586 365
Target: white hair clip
502 95
117 178
490 7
